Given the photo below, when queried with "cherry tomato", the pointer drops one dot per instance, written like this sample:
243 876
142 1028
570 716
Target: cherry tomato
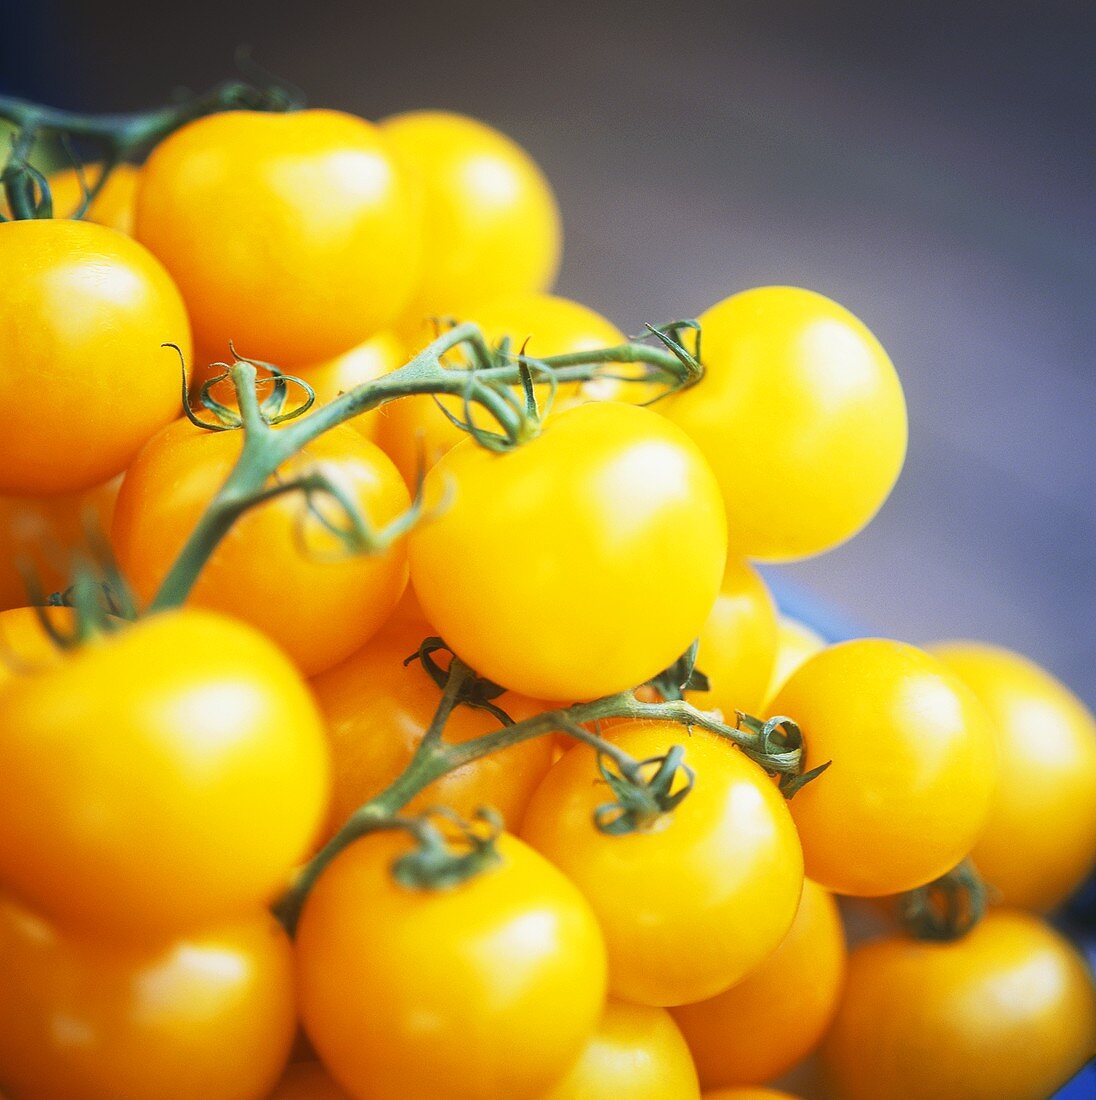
637 1053
692 904
377 710
292 234
748 1094
489 221
1046 741
588 558
914 766
209 1014
760 1028
795 642
308 1081
737 644
113 206
83 379
414 430
802 417
487 989
168 774
278 568
1006 1013
44 533
25 645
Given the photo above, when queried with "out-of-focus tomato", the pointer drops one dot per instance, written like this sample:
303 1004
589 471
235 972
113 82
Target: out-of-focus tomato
637 1053
292 234
113 206
44 533
802 417
377 710
278 568
1006 1013
737 644
415 432
795 642
25 645
156 778
209 1014
748 1094
83 379
588 558
488 219
913 766
308 1081
760 1028
486 989
694 902
1040 838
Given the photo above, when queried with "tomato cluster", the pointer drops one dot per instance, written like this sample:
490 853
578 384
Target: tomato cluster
426 731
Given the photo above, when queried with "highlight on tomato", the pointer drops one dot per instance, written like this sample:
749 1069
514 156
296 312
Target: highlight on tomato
764 1025
1008 1012
486 215
589 558
292 234
636 1053
490 987
694 899
84 381
377 706
1039 842
801 415
168 774
913 766
207 1012
280 568
416 433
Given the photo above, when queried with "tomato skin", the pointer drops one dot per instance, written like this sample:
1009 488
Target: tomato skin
487 989
210 1014
788 1001
1046 740
605 532
795 642
488 219
801 415
637 1053
692 905
25 646
414 430
83 378
318 609
1006 1013
46 532
291 234
737 644
914 766
308 1081
747 1094
377 710
114 204
197 734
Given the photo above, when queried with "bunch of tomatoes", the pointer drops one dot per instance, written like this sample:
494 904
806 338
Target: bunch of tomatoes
389 707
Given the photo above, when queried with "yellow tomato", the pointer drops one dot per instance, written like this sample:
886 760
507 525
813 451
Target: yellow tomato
760 1028
795 642
377 710
113 206
25 645
292 234
1006 1013
694 902
802 417
748 1094
1040 837
588 558
308 1081
913 766
488 218
84 381
415 432
208 1014
737 644
636 1054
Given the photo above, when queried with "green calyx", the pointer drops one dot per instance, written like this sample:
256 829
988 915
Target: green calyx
643 790
448 850
947 908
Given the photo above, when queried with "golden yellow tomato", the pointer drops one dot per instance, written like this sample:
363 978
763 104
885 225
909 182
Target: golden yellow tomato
795 642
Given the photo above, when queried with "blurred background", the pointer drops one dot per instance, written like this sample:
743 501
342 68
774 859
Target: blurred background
928 165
